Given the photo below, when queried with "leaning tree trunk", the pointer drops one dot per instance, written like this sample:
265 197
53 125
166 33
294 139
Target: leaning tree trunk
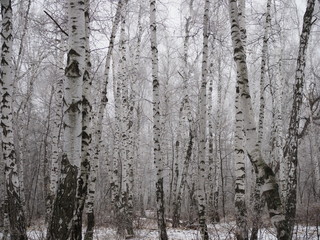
202 127
15 208
291 147
269 186
178 199
157 125
184 114
66 200
98 142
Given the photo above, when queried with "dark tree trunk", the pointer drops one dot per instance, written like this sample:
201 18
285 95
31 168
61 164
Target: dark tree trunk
64 204
90 226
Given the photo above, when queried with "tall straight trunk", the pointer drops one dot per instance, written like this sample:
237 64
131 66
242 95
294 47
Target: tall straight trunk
291 147
132 136
258 202
116 166
240 172
14 206
218 151
72 122
269 186
45 169
157 125
55 166
239 199
202 127
277 131
126 220
83 177
2 196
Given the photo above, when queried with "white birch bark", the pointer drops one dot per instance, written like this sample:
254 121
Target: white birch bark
184 115
86 136
63 220
240 173
218 152
269 186
15 208
264 54
278 135
97 129
257 201
202 127
291 147
55 166
115 182
126 151
158 161
210 152
73 83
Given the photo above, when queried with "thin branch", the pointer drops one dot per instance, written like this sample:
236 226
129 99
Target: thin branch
56 23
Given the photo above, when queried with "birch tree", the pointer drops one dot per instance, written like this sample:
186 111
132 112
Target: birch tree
66 201
158 161
240 183
202 126
258 202
82 181
291 147
269 186
185 113
55 166
15 208
97 127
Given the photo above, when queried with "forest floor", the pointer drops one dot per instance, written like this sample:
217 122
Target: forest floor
146 230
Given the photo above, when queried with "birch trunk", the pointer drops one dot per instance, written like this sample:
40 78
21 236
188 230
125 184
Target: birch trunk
178 199
258 202
202 127
269 186
240 183
2 196
158 161
15 208
291 147
46 170
218 153
126 153
55 166
61 225
82 180
97 130
184 113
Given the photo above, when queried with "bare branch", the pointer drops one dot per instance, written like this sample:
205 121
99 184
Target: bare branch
63 31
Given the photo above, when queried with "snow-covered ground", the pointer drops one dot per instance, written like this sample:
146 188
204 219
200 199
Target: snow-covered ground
222 231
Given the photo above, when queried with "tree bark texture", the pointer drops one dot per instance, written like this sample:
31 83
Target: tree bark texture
291 147
269 186
158 161
86 136
14 206
64 203
202 127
